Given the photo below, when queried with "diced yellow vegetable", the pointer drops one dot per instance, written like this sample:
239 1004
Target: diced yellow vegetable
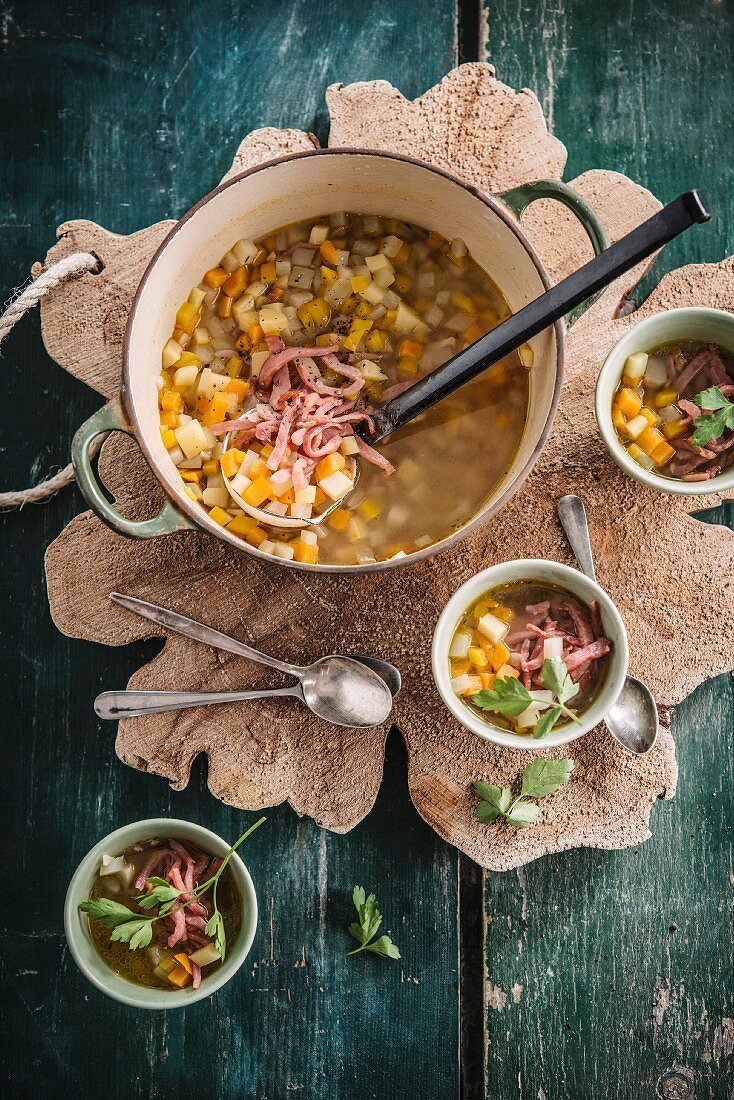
475 332
171 353
649 414
184 960
314 314
375 341
187 317
220 516
179 977
328 275
474 686
224 307
359 329
171 401
402 283
242 525
499 655
477 657
369 509
410 349
214 410
191 475
360 283
674 429
268 274
462 302
664 398
408 366
168 437
329 252
619 421
231 461
169 419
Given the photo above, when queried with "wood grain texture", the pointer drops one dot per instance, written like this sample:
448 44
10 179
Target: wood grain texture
611 976
100 108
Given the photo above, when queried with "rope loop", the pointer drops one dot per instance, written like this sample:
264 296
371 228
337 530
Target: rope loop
75 264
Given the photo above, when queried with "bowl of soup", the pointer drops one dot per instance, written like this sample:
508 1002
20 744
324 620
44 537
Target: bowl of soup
288 304
530 654
665 401
181 956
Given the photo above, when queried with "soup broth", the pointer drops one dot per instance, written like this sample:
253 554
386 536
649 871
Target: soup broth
372 304
510 633
160 966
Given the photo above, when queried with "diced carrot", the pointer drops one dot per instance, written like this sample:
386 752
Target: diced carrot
339 519
191 475
507 670
320 496
473 333
503 613
210 467
255 332
258 469
258 492
410 348
231 461
268 274
499 656
256 536
288 497
169 420
618 420
628 402
179 977
649 439
171 401
474 686
224 307
236 283
487 679
305 552
215 277
187 317
662 453
329 253
184 960
330 465
664 398
238 386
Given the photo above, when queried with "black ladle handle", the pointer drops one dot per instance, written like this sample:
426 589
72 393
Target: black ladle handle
598 273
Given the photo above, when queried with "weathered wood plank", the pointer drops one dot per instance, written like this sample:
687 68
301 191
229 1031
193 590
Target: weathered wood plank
127 114
610 974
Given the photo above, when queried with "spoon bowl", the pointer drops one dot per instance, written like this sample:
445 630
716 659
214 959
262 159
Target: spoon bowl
632 719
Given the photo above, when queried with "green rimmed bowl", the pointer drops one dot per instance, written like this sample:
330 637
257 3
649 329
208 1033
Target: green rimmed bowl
79 938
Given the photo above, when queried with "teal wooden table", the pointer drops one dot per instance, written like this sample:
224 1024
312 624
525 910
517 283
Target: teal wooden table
590 974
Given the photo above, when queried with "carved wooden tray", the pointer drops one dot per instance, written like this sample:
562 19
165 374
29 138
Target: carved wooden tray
262 755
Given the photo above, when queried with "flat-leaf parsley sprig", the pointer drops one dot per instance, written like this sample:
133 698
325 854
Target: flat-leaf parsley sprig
718 415
136 931
540 778
511 698
370 919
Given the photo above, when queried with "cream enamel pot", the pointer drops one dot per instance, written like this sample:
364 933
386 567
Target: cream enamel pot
293 189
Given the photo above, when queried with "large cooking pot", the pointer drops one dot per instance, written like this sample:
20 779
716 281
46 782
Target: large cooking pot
292 189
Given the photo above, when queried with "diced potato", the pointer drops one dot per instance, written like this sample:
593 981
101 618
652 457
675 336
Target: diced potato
492 627
257 360
635 365
406 319
191 438
349 446
336 485
640 457
185 377
306 496
273 320
246 251
172 352
636 426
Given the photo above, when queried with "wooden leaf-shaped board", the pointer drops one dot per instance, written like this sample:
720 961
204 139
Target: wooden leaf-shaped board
665 570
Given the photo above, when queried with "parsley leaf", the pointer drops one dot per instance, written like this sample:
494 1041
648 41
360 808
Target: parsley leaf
556 678
546 722
540 778
106 912
137 933
159 895
543 777
215 929
508 696
370 920
720 416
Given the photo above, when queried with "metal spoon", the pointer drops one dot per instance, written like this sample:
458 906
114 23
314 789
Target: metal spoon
633 719
342 690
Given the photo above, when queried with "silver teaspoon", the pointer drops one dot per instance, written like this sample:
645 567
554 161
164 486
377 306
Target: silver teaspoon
633 719
341 690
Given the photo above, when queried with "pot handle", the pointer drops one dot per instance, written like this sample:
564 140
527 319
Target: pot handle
108 419
519 198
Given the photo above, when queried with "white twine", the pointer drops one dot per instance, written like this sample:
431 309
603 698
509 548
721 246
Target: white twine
64 269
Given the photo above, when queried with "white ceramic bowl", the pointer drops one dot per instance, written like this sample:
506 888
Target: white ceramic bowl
77 929
540 571
713 326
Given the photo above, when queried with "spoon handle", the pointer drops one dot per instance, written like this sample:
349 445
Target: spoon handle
130 704
191 628
614 261
572 514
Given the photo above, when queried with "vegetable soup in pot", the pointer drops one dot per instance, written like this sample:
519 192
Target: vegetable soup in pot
286 346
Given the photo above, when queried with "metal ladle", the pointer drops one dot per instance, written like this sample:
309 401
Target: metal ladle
633 718
342 690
